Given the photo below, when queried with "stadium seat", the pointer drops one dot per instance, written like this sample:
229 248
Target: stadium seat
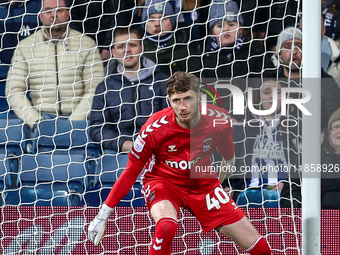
13 134
51 179
97 195
64 137
259 198
110 166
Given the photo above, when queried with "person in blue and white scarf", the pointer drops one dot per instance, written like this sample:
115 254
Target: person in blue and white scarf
266 146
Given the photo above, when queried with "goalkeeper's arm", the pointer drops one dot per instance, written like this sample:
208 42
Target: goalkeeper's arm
118 191
226 169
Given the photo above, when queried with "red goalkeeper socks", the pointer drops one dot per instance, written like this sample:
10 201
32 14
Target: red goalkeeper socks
260 247
164 234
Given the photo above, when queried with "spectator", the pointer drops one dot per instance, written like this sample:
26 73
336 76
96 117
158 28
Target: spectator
228 54
330 55
266 142
289 48
95 19
192 18
330 160
133 90
267 18
18 19
58 68
330 156
332 18
164 46
128 12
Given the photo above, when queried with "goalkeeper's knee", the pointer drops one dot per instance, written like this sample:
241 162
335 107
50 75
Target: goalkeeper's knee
260 247
164 234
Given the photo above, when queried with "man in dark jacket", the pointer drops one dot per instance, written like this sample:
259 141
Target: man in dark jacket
18 19
289 48
133 90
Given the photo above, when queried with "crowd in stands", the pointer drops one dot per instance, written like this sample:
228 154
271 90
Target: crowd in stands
108 61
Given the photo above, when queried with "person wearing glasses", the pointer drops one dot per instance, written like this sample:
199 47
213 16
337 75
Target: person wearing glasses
289 52
329 167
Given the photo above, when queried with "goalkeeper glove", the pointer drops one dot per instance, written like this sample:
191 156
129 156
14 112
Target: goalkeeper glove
98 224
226 169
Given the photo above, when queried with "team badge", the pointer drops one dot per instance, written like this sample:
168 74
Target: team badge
159 7
230 16
207 144
138 145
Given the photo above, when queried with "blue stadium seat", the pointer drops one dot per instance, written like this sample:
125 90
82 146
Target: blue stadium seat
64 137
110 166
50 179
97 195
259 198
13 134
5 176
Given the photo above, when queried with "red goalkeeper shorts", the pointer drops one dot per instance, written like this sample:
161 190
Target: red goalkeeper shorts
210 204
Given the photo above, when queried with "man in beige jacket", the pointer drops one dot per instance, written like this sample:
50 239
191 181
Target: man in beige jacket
57 67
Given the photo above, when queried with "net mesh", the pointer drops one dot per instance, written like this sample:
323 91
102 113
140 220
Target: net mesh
54 176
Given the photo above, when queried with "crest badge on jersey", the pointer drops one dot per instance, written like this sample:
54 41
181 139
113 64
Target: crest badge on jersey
207 144
138 145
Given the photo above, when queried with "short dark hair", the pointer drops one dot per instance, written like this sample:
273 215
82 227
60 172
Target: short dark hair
181 82
124 31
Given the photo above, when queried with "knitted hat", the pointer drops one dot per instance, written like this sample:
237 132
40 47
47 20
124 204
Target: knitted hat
334 117
288 34
159 6
224 11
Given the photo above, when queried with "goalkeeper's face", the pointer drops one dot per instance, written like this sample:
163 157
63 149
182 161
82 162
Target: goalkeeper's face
186 108
55 15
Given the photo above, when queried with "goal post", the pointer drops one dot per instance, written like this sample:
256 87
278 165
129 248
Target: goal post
311 146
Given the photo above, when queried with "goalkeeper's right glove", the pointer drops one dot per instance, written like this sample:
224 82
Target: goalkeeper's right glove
98 224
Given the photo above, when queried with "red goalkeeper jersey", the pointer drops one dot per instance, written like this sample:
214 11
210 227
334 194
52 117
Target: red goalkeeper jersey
165 149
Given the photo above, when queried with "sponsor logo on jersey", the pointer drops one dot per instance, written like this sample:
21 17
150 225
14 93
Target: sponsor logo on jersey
207 144
138 145
183 164
172 148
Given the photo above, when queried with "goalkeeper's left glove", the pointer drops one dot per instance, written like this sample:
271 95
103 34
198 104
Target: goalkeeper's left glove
226 169
98 224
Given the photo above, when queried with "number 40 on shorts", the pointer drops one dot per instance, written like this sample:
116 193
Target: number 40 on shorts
220 197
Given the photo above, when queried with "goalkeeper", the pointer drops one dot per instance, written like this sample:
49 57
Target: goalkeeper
173 149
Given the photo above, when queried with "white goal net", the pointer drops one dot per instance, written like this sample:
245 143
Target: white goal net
58 163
